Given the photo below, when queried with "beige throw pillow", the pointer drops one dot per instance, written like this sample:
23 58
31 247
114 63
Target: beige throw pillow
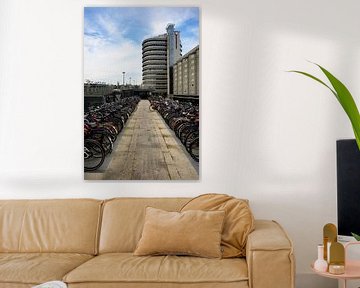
239 220
193 232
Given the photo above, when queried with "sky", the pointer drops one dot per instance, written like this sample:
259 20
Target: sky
113 37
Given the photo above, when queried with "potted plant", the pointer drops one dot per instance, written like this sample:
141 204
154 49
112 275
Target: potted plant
347 102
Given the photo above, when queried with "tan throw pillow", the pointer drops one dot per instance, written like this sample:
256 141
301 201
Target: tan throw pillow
239 220
196 233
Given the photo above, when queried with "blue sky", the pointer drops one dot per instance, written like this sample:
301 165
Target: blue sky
113 36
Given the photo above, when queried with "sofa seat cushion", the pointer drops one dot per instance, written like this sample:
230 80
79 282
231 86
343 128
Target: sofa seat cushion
36 268
125 267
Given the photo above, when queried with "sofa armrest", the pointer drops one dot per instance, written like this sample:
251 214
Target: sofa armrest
269 256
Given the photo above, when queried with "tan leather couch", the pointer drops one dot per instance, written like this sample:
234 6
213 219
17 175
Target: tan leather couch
89 243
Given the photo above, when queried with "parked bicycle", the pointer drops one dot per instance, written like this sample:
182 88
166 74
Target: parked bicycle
101 128
183 119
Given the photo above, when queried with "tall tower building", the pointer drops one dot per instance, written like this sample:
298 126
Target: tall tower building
159 53
174 50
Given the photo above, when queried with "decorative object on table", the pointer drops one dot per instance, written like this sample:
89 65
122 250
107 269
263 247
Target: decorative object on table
51 284
336 269
320 264
348 270
333 252
337 258
356 236
329 236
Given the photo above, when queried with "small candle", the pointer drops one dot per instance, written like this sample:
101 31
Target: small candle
336 269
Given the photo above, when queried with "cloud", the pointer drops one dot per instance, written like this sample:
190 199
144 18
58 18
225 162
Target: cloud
113 36
105 61
186 20
160 17
107 53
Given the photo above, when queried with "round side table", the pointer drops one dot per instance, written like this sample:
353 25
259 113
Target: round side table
352 269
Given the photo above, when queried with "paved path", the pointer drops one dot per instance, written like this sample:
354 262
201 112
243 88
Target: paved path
147 150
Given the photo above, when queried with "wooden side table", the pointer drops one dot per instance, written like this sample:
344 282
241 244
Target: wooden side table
352 268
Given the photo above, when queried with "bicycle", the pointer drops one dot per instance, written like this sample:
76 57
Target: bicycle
94 155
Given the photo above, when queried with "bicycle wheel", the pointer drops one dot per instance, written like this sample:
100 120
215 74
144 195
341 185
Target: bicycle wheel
190 138
94 155
104 139
179 130
178 124
194 149
186 132
152 107
174 121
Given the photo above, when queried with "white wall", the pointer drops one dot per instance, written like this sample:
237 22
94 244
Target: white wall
267 135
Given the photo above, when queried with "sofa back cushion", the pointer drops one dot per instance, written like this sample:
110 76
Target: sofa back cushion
67 226
193 232
123 220
238 224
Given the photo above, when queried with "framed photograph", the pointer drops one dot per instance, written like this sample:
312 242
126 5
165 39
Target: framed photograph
141 93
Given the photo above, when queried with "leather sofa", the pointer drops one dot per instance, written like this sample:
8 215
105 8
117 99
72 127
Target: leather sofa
89 243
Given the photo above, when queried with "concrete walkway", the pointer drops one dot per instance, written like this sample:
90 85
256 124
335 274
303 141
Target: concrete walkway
147 150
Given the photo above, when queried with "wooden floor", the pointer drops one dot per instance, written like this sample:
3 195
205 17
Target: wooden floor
147 150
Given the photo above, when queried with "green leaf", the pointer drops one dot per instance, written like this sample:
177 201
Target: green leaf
344 97
357 137
347 102
316 79
357 237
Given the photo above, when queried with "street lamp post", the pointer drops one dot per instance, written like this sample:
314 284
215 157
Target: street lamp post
123 78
